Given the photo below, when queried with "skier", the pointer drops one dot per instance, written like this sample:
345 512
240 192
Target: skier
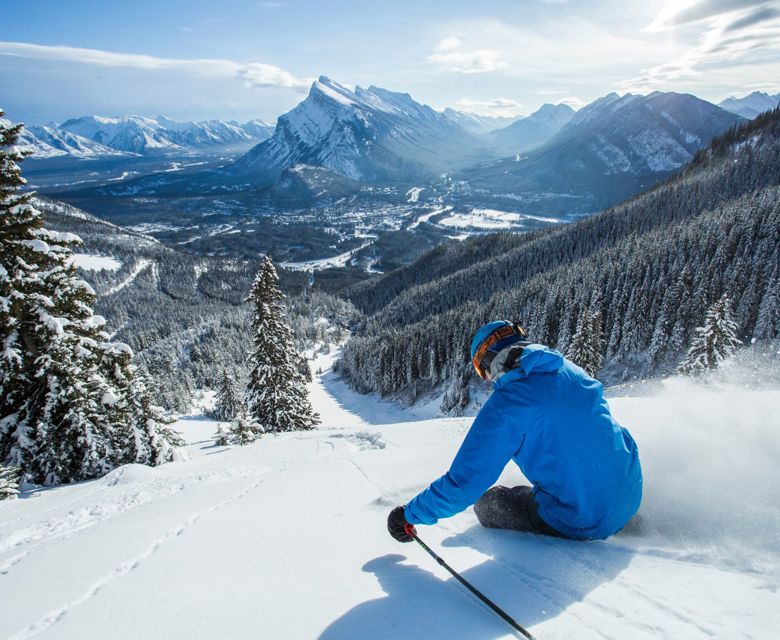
551 418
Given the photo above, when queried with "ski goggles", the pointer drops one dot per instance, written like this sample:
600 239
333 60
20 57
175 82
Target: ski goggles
484 356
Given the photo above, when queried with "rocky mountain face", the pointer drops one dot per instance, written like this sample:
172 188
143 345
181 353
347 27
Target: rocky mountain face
368 135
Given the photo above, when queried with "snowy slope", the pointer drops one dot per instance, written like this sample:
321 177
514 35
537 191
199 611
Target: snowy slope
286 538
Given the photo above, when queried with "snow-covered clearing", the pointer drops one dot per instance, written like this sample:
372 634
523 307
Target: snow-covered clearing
413 195
91 262
341 260
425 217
139 267
489 219
285 538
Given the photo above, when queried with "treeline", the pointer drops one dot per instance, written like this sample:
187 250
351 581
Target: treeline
652 267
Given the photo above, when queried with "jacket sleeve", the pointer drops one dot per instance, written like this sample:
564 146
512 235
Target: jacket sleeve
494 438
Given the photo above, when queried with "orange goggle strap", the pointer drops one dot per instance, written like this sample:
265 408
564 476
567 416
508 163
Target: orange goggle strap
497 336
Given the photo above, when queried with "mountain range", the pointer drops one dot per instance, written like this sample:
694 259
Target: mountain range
609 150
92 136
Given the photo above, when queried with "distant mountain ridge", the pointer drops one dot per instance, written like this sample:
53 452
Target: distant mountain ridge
91 136
477 123
533 131
751 105
369 135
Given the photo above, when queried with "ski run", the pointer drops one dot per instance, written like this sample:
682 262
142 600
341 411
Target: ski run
286 538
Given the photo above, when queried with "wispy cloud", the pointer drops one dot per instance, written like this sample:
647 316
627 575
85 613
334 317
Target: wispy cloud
453 56
253 74
734 33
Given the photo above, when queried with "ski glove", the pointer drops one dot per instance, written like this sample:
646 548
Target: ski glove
396 525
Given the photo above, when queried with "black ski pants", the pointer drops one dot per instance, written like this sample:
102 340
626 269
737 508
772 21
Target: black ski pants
512 508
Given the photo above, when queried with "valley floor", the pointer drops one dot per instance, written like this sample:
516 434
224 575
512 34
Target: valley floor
286 538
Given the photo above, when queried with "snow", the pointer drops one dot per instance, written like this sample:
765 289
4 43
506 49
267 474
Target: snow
413 195
341 260
139 267
95 262
286 538
490 219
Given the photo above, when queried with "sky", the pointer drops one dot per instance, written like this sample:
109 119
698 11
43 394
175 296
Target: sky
242 59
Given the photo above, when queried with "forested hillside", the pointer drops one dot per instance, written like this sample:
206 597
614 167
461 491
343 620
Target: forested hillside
651 266
184 315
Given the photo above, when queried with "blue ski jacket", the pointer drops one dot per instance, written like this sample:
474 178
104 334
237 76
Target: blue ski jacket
551 418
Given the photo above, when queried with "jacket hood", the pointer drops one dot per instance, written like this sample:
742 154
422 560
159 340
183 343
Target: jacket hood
536 358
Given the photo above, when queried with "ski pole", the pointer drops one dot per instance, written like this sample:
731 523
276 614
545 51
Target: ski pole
411 531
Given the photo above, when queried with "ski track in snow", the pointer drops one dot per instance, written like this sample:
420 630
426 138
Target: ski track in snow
126 567
630 587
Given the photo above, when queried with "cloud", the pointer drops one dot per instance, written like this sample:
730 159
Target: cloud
447 44
762 14
495 107
550 92
733 34
675 15
253 74
452 56
573 101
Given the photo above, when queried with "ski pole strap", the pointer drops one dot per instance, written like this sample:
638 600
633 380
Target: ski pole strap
410 530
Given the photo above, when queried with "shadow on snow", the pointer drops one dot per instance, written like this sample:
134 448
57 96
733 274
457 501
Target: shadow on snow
532 578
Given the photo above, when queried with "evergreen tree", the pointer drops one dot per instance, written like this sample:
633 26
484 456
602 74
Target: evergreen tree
715 341
242 431
587 344
276 396
222 437
9 482
63 407
228 403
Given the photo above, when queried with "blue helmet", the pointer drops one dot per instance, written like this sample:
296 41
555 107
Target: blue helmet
496 336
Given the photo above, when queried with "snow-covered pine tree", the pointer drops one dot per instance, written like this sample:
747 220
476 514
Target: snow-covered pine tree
222 437
242 431
146 436
715 341
61 412
228 402
9 481
587 344
276 396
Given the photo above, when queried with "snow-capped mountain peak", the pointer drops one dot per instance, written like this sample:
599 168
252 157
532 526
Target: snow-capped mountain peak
363 134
